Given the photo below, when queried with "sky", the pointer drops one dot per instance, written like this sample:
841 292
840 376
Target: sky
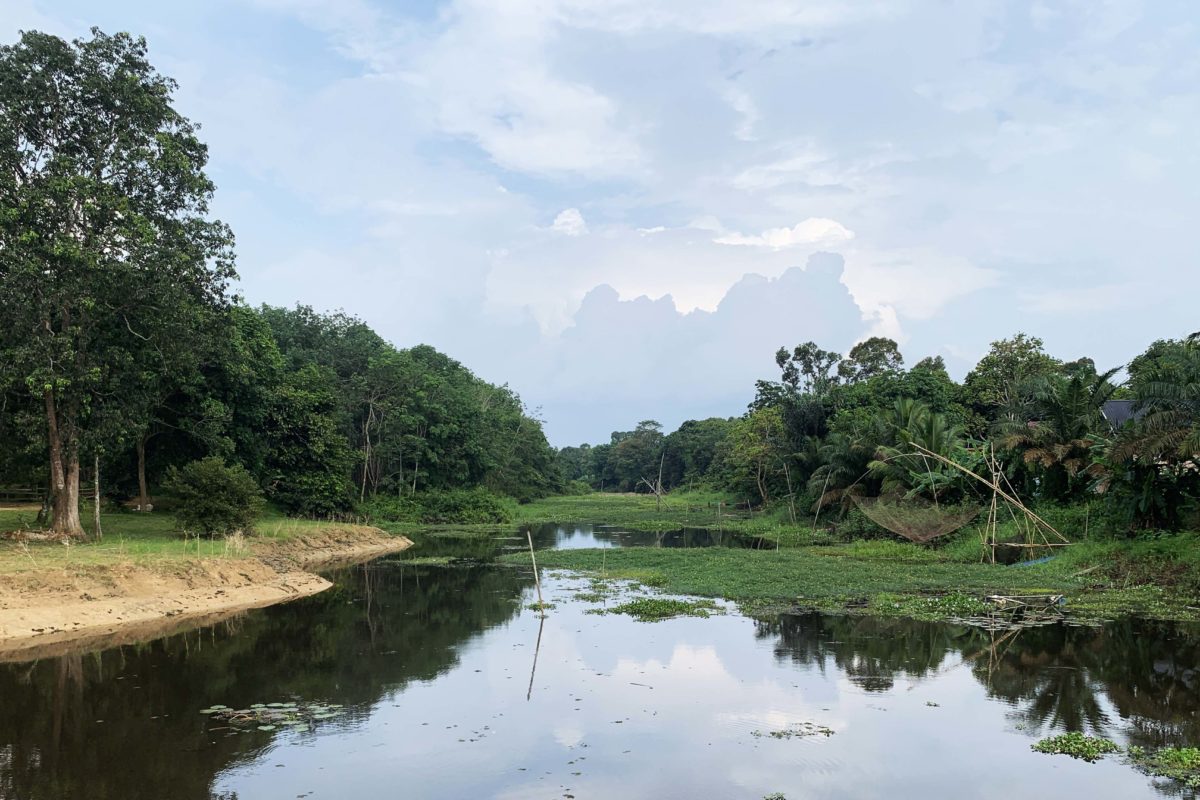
623 208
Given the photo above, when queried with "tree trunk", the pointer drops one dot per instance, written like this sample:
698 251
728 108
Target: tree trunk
97 532
143 489
64 477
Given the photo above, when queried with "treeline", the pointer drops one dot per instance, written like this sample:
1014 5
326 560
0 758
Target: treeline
123 352
832 428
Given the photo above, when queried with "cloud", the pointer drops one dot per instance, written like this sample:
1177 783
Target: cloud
977 169
812 231
570 223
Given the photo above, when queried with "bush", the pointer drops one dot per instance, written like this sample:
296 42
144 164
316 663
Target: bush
1080 521
857 525
445 507
388 508
214 498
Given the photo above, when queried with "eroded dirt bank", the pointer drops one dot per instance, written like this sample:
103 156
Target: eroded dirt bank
47 612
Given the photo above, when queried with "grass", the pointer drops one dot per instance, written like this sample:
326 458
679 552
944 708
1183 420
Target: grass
640 512
1101 579
806 577
130 536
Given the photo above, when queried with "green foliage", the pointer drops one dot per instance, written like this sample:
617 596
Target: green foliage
308 461
1181 764
465 506
442 507
214 498
653 609
870 358
1150 470
108 259
999 378
1076 745
1051 425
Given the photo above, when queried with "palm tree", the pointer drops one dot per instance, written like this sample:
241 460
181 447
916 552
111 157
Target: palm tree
1168 394
1153 465
845 460
905 471
1052 430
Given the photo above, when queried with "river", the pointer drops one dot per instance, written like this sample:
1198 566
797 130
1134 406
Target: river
444 683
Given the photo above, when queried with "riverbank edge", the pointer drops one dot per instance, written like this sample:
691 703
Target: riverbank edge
53 610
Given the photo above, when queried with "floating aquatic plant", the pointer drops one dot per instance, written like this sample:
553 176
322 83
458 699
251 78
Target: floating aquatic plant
650 609
270 716
1180 764
1076 745
797 731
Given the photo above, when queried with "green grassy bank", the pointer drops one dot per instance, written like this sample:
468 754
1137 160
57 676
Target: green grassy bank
1156 577
130 537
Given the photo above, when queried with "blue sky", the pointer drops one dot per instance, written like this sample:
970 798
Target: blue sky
623 208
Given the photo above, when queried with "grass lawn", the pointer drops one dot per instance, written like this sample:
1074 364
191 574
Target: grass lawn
128 536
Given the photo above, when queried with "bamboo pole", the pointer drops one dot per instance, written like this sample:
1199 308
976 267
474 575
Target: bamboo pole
537 581
995 487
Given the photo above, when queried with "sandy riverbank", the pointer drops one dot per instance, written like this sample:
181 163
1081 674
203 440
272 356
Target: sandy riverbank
47 612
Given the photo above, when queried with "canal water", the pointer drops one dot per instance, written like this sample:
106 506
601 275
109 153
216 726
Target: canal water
444 683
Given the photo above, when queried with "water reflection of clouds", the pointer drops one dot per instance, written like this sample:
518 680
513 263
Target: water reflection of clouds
620 708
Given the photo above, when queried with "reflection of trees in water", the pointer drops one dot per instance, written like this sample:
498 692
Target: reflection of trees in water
1055 676
1047 674
375 631
1147 671
871 651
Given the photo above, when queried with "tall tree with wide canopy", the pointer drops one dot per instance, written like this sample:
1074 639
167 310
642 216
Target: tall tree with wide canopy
104 235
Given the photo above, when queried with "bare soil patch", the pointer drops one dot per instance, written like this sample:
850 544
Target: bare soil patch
56 610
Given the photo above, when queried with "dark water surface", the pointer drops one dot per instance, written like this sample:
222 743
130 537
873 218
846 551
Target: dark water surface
433 666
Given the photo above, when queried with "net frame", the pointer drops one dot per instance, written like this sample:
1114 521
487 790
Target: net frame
918 522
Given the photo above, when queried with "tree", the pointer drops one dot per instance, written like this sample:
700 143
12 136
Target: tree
808 368
103 233
308 460
636 455
757 451
875 356
996 382
1053 430
1152 468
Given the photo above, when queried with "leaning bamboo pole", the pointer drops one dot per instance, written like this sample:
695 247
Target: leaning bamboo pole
995 487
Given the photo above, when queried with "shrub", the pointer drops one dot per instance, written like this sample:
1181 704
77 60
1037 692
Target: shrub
390 508
857 525
214 498
444 507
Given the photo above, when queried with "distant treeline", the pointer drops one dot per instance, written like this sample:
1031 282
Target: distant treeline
830 428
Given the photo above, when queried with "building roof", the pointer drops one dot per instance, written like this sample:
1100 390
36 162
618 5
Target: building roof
1119 412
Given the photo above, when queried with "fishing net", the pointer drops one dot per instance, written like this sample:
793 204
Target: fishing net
914 520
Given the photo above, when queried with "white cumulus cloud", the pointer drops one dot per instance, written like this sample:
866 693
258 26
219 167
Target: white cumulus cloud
812 231
570 222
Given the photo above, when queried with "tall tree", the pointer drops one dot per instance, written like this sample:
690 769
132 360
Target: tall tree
996 384
104 230
875 356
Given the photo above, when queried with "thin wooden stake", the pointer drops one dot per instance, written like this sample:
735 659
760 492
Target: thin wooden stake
537 581
536 649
